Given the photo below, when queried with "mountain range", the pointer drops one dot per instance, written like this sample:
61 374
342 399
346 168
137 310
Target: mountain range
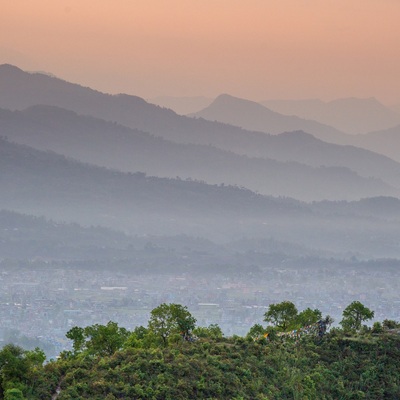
182 105
386 142
112 145
44 183
253 116
294 165
109 145
368 114
20 90
349 115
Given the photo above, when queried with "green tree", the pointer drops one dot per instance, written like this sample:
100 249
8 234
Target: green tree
353 316
167 319
77 335
308 317
140 332
377 327
141 337
18 369
212 331
98 339
282 315
14 366
390 324
255 332
105 339
14 394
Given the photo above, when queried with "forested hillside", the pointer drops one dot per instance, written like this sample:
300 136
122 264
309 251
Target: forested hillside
172 358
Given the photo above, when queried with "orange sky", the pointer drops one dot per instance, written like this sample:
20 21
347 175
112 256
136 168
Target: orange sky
257 49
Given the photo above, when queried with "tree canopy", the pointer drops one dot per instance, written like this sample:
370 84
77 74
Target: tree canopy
109 362
98 339
354 315
282 315
167 319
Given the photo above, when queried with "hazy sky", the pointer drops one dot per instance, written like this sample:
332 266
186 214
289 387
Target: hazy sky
257 49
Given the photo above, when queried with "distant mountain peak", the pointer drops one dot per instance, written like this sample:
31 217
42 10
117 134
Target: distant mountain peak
352 115
225 96
356 101
10 68
226 103
253 116
229 99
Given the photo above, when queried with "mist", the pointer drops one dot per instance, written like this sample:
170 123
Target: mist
111 205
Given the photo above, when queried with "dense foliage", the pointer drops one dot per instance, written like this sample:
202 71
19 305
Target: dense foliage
190 362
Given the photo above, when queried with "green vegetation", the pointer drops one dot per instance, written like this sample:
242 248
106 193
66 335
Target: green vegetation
171 358
282 315
168 319
354 314
98 339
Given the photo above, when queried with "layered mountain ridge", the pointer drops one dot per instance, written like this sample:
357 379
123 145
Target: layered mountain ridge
253 116
294 165
119 139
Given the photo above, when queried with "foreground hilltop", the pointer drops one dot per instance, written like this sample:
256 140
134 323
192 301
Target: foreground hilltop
239 369
174 359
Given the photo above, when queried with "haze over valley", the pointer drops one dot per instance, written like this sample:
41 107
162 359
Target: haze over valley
221 156
199 200
258 202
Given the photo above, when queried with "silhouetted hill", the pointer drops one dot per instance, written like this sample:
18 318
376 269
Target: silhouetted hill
350 115
253 116
44 183
27 237
304 148
396 108
19 90
385 142
182 105
376 207
115 146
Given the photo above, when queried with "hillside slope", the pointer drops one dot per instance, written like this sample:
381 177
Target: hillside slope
237 368
385 142
253 116
350 115
44 183
19 90
308 178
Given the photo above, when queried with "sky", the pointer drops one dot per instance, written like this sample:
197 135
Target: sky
255 49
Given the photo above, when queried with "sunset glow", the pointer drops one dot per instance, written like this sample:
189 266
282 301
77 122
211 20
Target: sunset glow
255 49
